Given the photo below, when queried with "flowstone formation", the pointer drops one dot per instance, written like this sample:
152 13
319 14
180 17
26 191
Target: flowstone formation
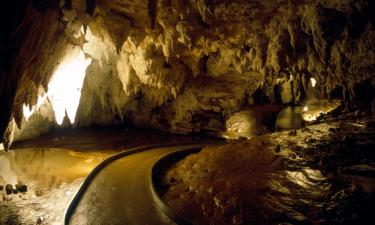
187 66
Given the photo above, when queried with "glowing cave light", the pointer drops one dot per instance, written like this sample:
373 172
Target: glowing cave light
27 112
313 81
305 108
64 90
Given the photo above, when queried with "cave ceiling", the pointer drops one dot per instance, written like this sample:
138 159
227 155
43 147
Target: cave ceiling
186 66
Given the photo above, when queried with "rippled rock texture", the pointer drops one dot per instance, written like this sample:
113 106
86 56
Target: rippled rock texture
186 66
323 174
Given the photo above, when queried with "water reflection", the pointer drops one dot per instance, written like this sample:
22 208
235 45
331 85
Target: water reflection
52 176
7 175
289 118
47 167
315 108
295 117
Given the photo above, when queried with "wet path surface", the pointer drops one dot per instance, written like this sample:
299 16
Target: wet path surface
121 194
54 166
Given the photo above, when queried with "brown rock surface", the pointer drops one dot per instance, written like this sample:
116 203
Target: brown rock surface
163 63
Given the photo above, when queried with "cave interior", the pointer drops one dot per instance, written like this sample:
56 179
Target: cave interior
96 77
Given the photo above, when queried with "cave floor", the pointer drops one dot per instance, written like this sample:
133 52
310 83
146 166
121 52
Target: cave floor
54 166
342 152
320 174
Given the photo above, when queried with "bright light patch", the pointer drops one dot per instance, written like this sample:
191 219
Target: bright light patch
64 90
27 112
79 33
311 116
317 108
307 178
313 81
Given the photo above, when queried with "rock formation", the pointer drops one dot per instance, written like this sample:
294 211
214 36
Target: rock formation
188 65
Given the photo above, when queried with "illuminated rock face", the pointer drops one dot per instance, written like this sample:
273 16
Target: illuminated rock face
187 66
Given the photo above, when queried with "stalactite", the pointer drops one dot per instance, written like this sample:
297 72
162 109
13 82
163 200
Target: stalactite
212 53
90 7
152 11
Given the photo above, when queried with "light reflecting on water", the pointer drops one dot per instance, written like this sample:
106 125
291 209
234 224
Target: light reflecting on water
289 118
52 175
7 175
48 166
295 117
315 108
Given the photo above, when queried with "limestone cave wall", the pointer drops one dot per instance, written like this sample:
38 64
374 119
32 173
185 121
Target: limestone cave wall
187 65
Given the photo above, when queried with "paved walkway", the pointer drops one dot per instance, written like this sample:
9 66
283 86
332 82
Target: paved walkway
121 194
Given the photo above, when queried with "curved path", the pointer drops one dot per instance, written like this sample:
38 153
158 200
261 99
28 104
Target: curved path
120 192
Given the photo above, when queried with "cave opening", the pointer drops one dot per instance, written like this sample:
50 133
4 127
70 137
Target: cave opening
209 112
64 89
